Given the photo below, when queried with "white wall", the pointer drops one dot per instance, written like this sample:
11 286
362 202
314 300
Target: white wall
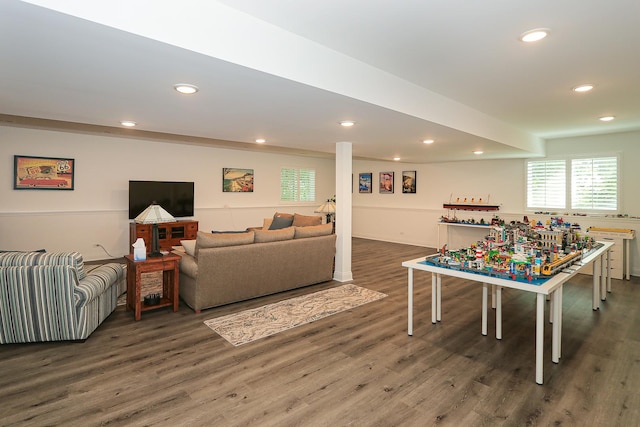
96 211
412 218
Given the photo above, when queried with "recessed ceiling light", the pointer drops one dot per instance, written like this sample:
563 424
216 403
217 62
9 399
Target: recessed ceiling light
261 140
428 141
128 123
396 158
347 123
583 88
186 88
478 152
534 35
606 118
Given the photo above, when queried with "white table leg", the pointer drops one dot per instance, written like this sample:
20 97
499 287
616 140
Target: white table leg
539 336
560 297
498 312
434 298
627 267
493 296
410 302
439 294
556 297
596 283
607 271
603 276
485 296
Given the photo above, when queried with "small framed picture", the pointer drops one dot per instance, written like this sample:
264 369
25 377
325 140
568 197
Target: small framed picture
365 181
43 173
386 182
237 180
408 181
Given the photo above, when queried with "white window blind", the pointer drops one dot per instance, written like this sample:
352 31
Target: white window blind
594 184
297 185
546 184
584 184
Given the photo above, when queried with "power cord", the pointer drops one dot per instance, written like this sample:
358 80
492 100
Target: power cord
105 251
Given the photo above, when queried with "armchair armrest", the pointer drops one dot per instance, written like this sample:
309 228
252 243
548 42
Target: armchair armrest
97 282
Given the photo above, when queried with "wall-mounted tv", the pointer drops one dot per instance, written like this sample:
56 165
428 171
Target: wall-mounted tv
175 197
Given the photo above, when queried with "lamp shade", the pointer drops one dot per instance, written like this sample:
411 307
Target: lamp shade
327 208
154 214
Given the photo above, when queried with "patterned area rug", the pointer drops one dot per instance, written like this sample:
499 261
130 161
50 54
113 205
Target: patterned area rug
250 325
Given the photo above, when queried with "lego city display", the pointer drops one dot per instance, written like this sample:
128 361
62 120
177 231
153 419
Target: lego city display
519 251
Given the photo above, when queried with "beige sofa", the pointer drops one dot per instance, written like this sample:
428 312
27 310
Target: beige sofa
226 268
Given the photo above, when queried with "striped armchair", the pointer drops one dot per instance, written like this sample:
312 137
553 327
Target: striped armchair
50 297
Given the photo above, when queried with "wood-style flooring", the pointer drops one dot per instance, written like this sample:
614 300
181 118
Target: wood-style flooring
356 368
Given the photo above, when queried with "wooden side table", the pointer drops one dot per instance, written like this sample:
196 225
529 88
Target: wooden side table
169 265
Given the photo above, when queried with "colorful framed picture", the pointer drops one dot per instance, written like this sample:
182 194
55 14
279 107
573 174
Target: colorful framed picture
237 180
386 182
43 173
365 181
409 182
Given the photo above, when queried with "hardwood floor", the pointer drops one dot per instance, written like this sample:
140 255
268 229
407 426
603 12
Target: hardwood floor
356 368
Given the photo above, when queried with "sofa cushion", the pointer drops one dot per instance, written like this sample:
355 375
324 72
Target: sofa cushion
209 240
189 246
306 220
280 222
313 231
264 236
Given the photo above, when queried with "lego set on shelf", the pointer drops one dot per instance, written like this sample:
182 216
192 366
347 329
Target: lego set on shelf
470 203
523 251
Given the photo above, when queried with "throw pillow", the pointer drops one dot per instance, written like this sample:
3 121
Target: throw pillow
313 231
189 246
264 236
209 240
283 215
280 222
306 220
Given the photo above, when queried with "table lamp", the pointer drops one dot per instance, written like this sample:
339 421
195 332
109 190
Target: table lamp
154 214
328 208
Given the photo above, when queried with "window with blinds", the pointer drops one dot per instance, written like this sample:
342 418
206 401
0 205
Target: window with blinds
590 183
297 185
594 184
546 184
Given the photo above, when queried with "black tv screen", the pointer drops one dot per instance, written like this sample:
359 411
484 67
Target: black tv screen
175 197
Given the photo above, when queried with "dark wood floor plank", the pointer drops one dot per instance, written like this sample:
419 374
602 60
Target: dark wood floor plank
358 367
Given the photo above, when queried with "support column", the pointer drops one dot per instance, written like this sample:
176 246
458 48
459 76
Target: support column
344 178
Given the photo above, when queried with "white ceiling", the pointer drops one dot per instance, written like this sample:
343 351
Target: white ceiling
289 71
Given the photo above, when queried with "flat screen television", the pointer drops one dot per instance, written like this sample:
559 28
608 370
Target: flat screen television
175 197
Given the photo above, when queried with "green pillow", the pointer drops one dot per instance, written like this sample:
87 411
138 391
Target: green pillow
280 222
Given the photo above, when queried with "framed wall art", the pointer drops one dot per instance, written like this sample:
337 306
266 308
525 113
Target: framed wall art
365 181
237 180
386 182
43 173
409 182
